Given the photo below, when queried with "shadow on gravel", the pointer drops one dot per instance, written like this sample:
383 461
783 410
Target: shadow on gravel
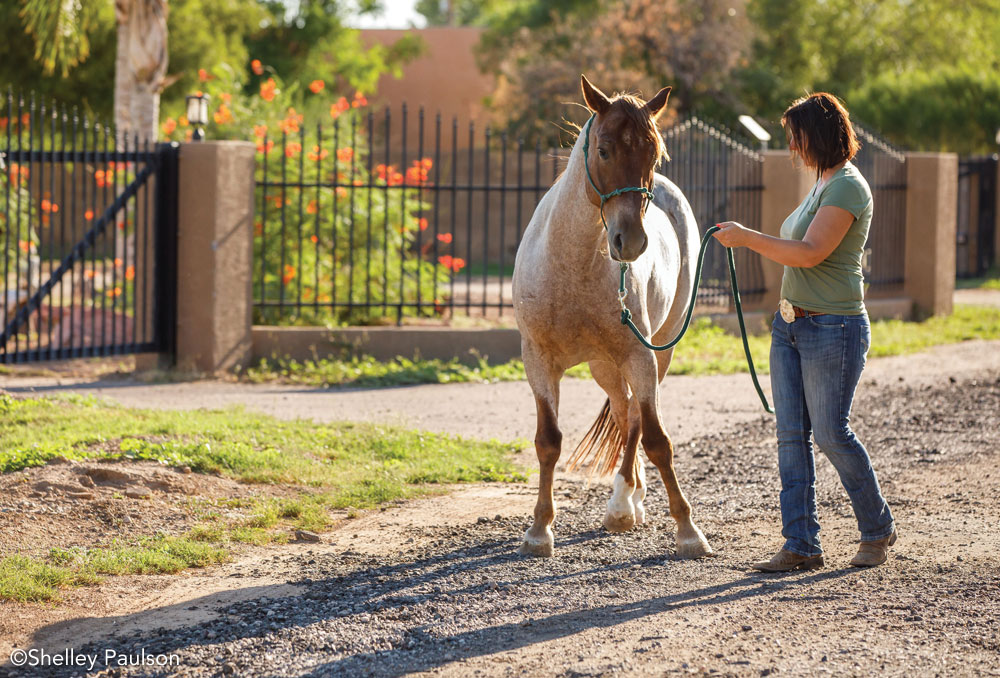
339 608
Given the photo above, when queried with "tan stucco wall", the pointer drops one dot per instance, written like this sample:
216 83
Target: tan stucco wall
215 255
931 212
445 80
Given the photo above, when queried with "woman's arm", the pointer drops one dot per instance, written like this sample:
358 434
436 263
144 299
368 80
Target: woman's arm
825 232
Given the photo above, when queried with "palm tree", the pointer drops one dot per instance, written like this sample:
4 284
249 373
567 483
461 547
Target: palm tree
60 30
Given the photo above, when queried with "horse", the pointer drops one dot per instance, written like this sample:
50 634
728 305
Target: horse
565 275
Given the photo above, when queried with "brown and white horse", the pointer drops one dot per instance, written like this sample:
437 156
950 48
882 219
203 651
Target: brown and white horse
565 278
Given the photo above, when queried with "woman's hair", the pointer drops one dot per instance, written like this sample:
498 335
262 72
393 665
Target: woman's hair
822 130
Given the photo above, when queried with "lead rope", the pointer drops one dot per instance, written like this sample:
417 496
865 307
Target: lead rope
622 292
627 315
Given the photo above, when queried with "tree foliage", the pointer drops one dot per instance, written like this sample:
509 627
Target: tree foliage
924 63
310 43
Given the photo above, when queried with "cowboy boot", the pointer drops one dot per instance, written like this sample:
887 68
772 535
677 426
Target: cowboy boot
785 561
872 553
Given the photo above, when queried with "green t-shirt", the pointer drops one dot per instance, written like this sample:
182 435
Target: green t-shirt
835 285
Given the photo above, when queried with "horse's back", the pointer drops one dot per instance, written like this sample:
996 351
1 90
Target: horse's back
672 201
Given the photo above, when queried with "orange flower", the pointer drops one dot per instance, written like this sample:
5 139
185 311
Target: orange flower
46 205
25 245
168 126
268 89
395 179
292 148
226 97
359 100
257 67
444 237
116 292
204 75
223 115
316 86
3 122
312 208
426 163
130 273
345 154
118 262
342 104
422 223
89 274
456 264
88 215
258 228
289 274
265 148
183 121
341 192
318 154
260 131
25 119
314 239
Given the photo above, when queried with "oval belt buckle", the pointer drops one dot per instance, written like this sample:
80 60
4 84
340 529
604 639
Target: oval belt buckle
786 310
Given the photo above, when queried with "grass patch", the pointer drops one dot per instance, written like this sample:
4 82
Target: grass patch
706 349
352 464
990 281
25 579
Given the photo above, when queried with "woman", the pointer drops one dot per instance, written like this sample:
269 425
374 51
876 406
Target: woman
820 337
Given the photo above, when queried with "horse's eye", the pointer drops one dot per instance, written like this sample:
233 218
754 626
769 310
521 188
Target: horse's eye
603 153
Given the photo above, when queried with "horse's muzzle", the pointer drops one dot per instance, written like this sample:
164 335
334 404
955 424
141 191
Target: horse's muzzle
626 249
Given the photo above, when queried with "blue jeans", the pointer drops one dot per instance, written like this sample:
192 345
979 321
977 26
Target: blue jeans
816 362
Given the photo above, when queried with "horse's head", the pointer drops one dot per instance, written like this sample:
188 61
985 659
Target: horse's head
625 147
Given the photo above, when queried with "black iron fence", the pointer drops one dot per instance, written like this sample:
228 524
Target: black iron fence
381 216
975 230
85 227
885 169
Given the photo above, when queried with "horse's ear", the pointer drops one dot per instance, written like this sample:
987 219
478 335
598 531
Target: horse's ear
658 104
596 101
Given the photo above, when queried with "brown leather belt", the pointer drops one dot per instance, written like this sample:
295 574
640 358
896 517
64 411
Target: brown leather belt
802 313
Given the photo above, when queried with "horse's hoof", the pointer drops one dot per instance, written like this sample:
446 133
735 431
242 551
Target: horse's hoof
640 514
538 546
693 544
619 523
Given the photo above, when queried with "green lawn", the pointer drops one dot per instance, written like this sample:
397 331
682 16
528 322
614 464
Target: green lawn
706 349
332 466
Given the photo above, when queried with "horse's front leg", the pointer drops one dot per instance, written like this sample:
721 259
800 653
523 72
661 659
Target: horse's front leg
544 381
641 373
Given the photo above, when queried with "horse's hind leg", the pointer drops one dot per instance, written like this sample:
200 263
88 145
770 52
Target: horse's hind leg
544 381
625 507
643 375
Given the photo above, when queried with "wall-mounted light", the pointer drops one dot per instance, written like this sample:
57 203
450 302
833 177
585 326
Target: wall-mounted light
197 114
758 132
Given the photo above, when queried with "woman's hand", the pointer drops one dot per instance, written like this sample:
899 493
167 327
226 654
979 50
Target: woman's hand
731 234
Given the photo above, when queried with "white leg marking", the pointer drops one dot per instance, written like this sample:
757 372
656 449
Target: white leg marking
639 494
620 515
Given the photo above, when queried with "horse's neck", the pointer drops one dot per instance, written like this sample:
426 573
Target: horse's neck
574 224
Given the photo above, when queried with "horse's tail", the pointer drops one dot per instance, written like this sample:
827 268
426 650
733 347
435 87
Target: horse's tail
600 447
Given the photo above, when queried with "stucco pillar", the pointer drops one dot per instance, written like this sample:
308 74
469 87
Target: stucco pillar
215 255
784 188
931 213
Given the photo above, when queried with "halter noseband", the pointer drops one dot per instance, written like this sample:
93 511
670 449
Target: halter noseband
618 191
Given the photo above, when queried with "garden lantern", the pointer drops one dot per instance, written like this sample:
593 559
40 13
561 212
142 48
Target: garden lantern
197 114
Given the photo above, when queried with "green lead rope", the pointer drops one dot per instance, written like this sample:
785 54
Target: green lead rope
627 315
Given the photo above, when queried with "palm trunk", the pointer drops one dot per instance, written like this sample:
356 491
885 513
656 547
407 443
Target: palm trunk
141 67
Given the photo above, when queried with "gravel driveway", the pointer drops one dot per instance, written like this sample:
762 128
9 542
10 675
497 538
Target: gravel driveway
435 586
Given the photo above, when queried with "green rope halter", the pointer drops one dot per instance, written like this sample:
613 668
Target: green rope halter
618 191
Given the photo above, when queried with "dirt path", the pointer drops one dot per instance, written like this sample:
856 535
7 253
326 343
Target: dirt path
505 411
434 586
